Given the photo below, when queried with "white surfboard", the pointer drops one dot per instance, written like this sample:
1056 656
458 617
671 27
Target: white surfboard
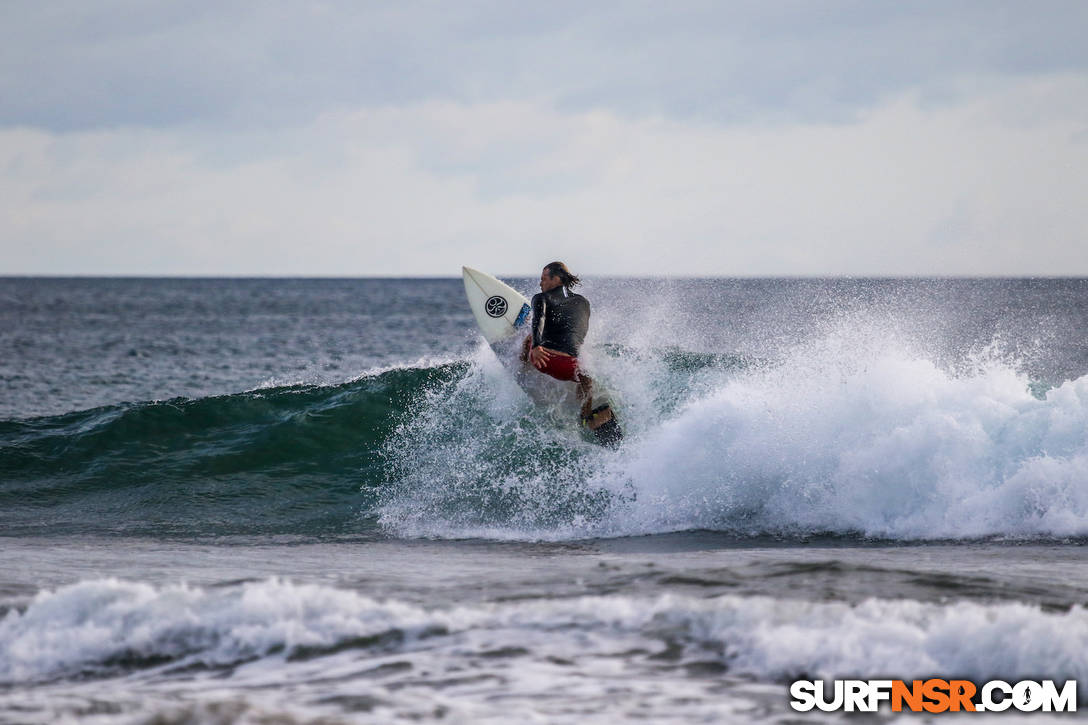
500 310
504 316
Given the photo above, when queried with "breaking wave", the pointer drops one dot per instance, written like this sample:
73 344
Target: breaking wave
847 434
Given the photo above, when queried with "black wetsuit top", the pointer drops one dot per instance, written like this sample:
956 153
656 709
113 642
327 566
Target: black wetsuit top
560 320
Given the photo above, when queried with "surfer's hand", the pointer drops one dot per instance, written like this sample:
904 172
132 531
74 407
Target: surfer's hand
539 356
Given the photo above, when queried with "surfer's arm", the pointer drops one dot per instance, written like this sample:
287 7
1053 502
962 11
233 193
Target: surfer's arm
527 350
538 355
538 318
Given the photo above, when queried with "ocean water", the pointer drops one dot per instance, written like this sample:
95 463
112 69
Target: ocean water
326 501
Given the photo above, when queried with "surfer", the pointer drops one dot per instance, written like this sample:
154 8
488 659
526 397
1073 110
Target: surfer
559 325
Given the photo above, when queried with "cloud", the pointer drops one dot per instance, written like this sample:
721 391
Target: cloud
980 186
396 137
72 65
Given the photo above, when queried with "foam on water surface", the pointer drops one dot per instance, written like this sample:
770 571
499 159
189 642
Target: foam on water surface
103 627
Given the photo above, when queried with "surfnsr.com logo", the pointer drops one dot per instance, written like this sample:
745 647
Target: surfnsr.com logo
933 696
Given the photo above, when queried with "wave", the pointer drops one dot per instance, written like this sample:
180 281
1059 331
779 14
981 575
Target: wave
291 459
849 434
107 627
879 442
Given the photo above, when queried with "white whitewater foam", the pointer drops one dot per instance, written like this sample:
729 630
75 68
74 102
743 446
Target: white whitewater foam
849 433
875 441
94 623
87 627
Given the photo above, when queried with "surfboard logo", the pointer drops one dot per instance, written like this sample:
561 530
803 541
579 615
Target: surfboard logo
495 306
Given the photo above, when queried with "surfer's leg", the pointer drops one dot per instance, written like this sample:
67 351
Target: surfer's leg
593 417
585 393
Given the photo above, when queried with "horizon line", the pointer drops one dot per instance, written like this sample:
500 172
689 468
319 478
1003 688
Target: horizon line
210 277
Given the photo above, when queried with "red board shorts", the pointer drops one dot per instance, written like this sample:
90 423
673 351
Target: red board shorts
561 367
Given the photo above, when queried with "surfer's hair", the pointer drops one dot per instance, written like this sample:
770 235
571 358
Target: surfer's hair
558 269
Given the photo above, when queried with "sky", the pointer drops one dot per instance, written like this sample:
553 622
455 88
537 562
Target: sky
778 137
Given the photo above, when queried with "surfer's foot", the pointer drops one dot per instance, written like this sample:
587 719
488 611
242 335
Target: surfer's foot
595 418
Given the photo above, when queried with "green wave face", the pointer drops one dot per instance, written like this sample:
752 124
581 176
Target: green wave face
450 450
298 460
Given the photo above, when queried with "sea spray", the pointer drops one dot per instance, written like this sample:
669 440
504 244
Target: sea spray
474 457
851 433
874 441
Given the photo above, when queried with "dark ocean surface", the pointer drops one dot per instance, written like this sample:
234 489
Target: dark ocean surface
326 501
